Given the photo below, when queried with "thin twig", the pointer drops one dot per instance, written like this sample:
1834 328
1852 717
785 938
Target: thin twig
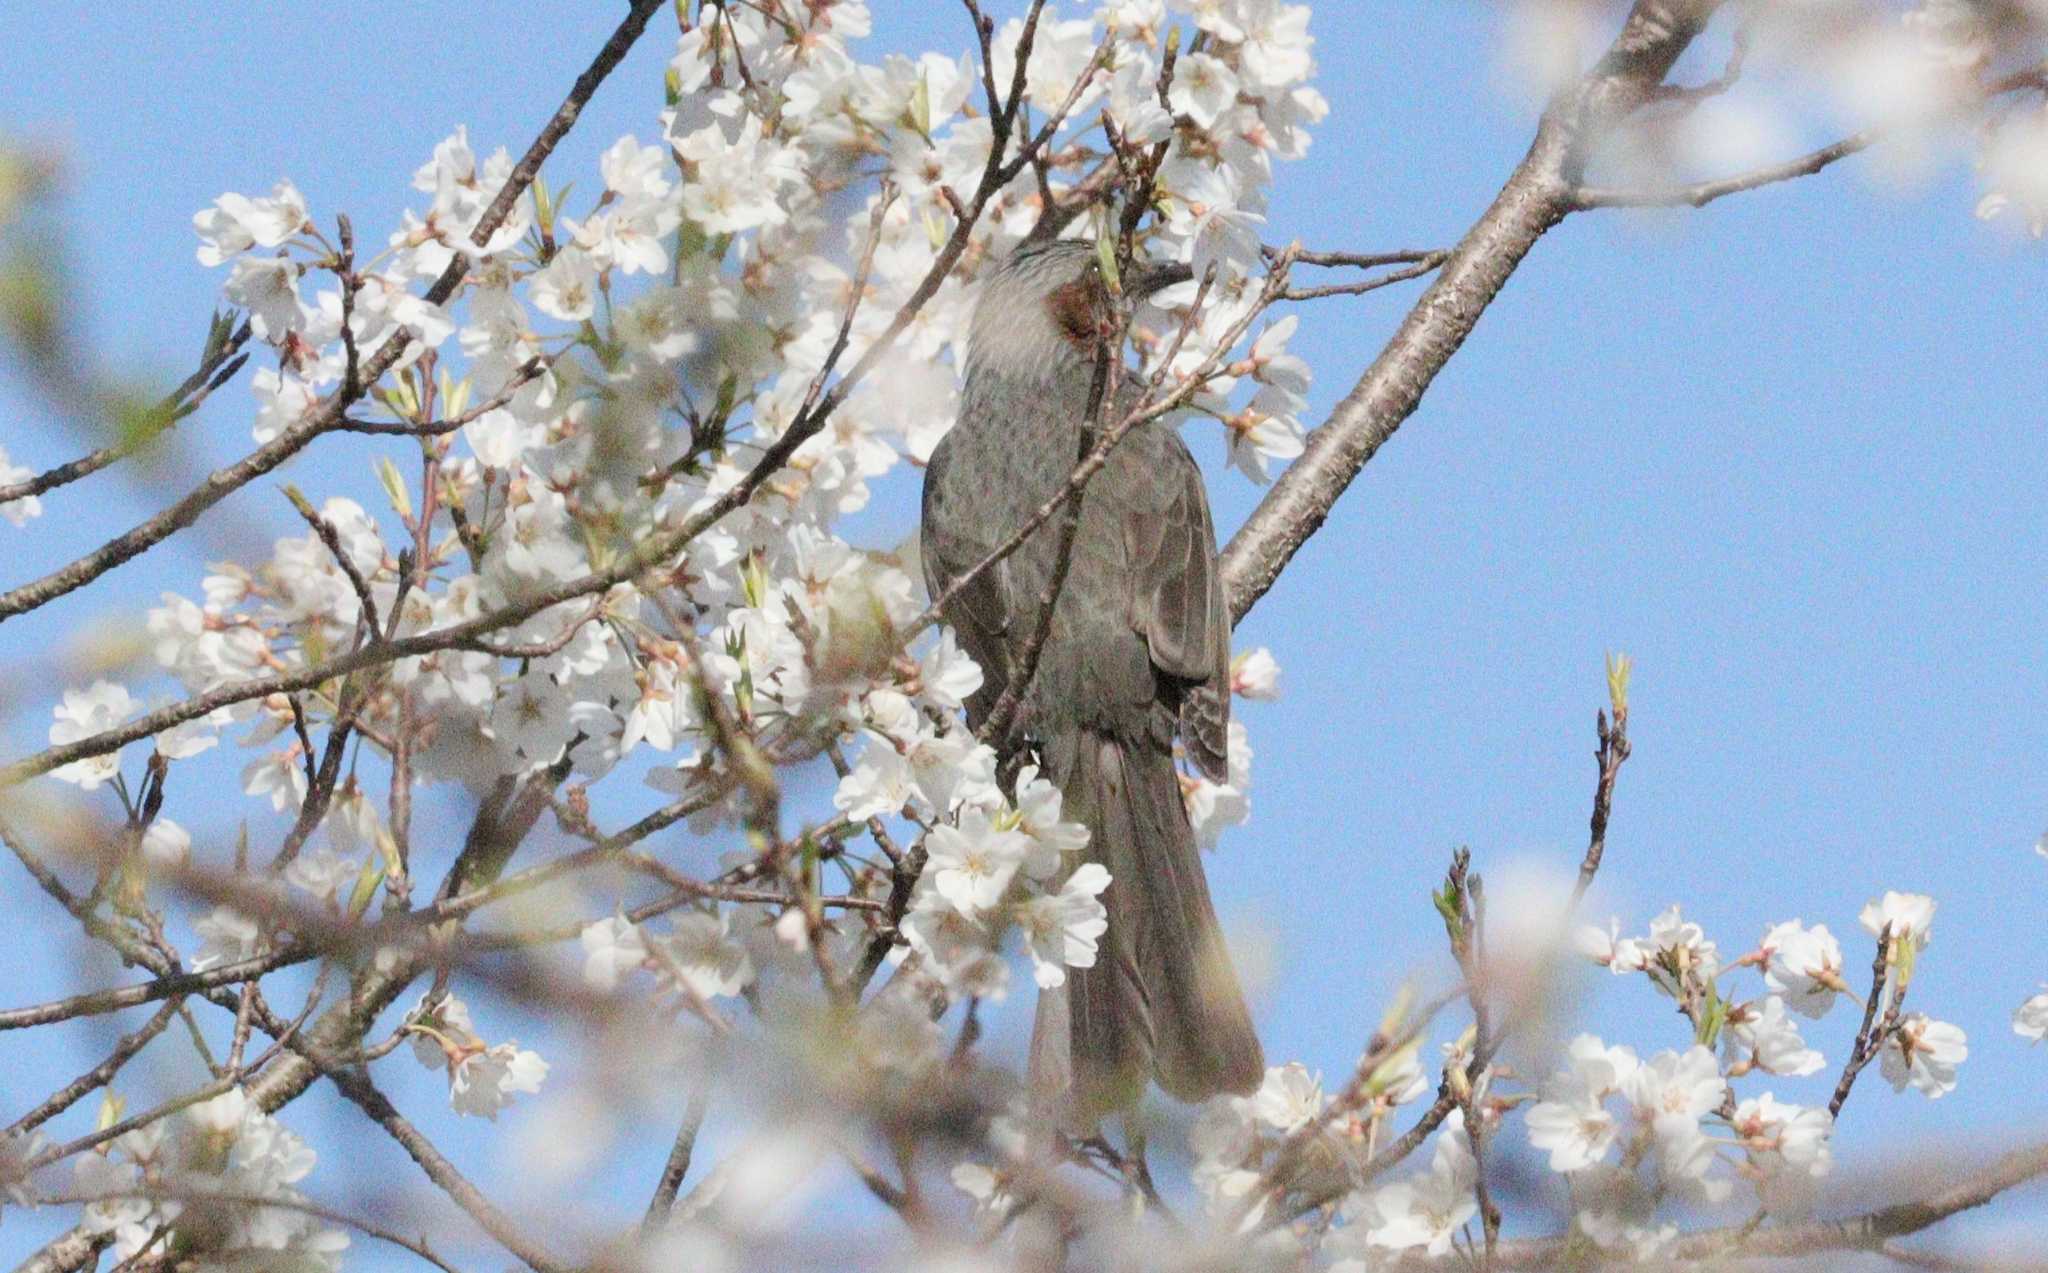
1427 264
679 1155
357 1087
96 1077
170 1192
296 437
219 364
1701 193
1871 1035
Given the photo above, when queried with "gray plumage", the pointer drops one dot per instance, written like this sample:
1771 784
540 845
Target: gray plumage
1138 652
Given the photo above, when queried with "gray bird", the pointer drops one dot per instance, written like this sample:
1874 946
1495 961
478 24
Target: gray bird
1139 651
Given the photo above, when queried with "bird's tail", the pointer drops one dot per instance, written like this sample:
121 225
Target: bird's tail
1161 1000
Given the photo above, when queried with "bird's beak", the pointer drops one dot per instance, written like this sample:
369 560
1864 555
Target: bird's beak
1158 277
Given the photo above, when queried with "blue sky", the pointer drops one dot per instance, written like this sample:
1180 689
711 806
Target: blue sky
1785 451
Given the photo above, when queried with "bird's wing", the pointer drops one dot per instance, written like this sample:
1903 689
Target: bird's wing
1178 601
948 548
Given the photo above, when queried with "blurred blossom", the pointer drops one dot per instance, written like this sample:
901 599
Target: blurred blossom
2014 166
1548 42
2030 1019
20 510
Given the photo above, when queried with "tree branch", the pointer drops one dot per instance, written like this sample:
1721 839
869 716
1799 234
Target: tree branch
96 1077
355 1084
216 367
1536 197
1864 1231
225 481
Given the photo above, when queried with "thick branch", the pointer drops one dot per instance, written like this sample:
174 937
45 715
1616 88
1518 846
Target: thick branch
1537 195
1389 391
1865 1231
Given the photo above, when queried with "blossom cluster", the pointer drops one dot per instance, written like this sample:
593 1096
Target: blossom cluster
1631 1133
603 374
220 1180
1635 1137
606 369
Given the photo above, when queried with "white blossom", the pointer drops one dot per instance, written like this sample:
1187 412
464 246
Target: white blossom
567 287
1429 1208
1572 1121
1787 1148
1677 951
1804 965
1910 916
1061 929
228 937
2030 1019
235 223
166 845
700 954
1924 1054
327 876
1255 675
18 511
1039 807
1607 947
971 865
1772 1038
1288 1098
268 287
611 948
483 1082
1213 806
83 714
1203 88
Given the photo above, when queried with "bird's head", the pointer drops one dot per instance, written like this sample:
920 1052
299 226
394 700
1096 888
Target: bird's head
1046 309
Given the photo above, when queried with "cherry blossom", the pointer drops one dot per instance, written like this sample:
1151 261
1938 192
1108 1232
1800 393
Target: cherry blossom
1428 1209
1289 1098
235 223
83 713
1924 1054
1772 1039
1804 966
1061 929
1255 675
229 937
20 509
2030 1019
972 864
1787 1148
1910 916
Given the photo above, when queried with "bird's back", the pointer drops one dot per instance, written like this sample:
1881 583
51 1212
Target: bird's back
1011 452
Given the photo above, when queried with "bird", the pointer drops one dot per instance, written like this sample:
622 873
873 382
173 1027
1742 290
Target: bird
1137 655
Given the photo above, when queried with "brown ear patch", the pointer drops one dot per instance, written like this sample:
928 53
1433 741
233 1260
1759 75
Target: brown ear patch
1072 306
